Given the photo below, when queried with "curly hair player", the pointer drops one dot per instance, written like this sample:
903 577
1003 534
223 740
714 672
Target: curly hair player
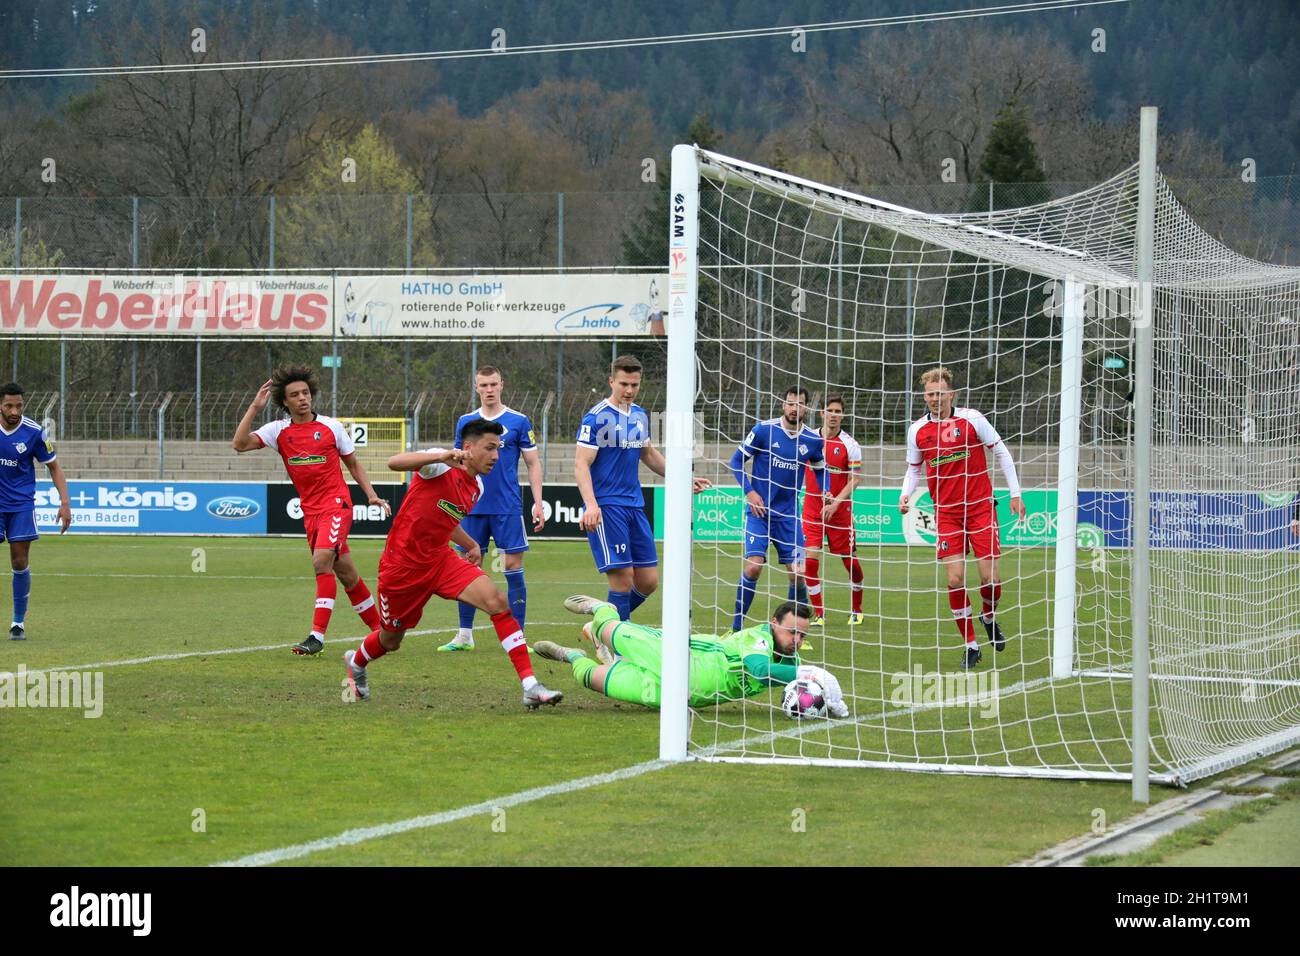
312 446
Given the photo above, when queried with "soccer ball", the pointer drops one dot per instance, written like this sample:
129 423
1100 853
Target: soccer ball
803 698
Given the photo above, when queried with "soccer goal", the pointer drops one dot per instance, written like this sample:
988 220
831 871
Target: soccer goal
1144 378
377 440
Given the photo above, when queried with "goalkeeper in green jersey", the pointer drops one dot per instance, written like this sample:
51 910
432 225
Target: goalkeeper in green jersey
731 667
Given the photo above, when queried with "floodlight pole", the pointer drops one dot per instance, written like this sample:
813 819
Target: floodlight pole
1143 329
679 441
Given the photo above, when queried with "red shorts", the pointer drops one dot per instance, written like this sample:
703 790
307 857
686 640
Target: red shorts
840 532
974 529
329 529
403 590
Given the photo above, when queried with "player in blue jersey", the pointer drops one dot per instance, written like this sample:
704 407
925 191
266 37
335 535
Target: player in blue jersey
22 441
777 450
613 439
499 514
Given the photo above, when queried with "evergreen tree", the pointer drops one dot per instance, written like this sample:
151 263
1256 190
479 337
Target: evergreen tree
646 241
1011 163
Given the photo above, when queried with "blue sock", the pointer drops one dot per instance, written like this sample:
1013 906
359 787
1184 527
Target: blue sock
623 601
466 615
636 600
797 591
744 598
22 588
517 593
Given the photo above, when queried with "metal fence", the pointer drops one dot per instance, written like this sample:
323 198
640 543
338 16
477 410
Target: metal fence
179 435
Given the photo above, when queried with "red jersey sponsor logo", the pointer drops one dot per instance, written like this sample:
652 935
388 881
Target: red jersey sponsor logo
312 459
431 510
956 470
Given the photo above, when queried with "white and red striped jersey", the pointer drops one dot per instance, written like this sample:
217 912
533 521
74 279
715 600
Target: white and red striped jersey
438 499
311 452
952 452
843 457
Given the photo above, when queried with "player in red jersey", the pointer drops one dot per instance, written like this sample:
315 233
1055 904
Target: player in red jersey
946 448
312 446
418 562
829 514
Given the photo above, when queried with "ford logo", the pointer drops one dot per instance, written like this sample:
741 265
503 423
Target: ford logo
233 506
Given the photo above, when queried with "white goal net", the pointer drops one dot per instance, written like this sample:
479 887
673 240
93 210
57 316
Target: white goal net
792 284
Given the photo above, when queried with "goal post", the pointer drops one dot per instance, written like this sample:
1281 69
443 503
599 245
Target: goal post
679 442
376 440
1040 312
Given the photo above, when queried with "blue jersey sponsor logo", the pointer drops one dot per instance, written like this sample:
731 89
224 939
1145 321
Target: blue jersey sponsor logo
619 438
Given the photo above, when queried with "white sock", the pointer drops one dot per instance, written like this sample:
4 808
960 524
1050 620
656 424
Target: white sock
464 636
529 683
318 635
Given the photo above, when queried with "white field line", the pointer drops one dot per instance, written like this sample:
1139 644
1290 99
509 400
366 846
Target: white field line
100 665
363 834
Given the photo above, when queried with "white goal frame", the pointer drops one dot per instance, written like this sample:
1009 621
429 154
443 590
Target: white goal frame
680 435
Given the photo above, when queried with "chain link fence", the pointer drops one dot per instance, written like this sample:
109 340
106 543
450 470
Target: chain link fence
502 230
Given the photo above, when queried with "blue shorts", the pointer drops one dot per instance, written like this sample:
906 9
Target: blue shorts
782 531
506 530
622 539
18 525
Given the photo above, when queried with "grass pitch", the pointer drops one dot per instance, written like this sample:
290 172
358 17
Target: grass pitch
237 747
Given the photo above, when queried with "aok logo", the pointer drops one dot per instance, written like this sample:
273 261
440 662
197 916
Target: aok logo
233 506
1040 523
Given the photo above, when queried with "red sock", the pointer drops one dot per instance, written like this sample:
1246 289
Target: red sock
812 568
991 594
855 573
512 642
326 589
959 601
364 605
370 649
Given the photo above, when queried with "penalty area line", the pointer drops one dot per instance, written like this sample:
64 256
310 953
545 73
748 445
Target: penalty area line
363 834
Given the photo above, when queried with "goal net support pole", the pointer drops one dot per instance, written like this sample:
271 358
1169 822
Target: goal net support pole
1067 480
1144 359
